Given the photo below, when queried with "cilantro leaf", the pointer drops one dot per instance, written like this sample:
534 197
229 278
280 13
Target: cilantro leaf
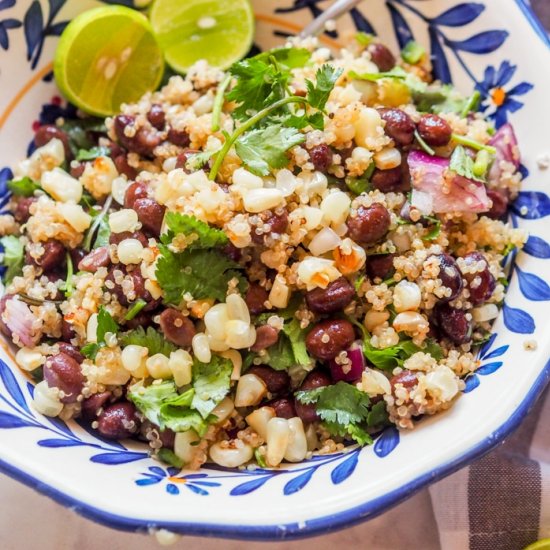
149 400
297 338
204 235
198 160
325 79
170 457
24 187
343 403
103 233
179 419
78 132
351 431
378 415
13 257
307 397
263 149
435 230
281 356
153 340
211 382
90 350
201 273
263 79
105 324
93 153
462 164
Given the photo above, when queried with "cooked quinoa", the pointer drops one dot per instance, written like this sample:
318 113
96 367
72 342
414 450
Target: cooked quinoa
266 274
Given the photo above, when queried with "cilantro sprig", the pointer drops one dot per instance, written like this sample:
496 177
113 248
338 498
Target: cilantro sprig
14 253
262 95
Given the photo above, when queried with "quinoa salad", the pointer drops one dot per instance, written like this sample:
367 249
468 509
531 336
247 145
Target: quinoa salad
253 266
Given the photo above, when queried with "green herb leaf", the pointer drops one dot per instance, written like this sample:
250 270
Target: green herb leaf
361 184
343 403
24 187
263 79
149 400
105 324
351 431
78 132
413 52
281 356
435 230
153 340
297 337
202 234
462 164
199 160
378 415
90 351
14 254
325 79
169 457
201 273
99 224
265 149
67 286
364 38
308 397
211 382
396 73
93 153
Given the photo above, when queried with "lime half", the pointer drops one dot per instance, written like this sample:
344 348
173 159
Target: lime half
543 544
220 31
105 57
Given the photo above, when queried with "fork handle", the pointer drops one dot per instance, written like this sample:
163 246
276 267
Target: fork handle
339 8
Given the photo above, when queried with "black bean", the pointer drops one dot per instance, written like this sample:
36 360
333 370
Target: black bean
335 297
450 275
123 167
255 298
176 327
63 372
150 214
369 224
117 238
183 158
328 338
266 336
97 258
156 116
179 137
434 130
52 257
381 57
380 266
46 133
481 284
387 181
272 223
22 209
315 379
94 404
135 191
143 142
284 407
454 324
499 209
399 125
70 350
406 378
118 421
276 381
321 157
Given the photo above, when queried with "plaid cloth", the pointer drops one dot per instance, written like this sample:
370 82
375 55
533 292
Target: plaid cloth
502 501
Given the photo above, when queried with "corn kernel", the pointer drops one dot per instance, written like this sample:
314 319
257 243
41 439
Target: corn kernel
61 186
130 251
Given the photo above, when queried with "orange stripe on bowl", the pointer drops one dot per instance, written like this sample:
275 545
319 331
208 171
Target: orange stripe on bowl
23 91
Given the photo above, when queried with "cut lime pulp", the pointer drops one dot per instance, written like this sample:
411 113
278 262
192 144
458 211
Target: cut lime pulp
105 57
220 31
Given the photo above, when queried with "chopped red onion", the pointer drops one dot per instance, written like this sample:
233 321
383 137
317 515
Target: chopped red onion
506 144
350 371
459 194
19 320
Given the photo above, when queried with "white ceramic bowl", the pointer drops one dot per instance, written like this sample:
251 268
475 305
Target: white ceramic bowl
491 44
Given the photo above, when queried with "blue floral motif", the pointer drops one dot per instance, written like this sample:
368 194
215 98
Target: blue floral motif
173 478
486 368
497 100
5 25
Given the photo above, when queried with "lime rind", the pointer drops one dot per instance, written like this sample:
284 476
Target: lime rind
219 31
107 56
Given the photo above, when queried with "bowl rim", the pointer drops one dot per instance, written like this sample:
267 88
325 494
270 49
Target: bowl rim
324 524
314 527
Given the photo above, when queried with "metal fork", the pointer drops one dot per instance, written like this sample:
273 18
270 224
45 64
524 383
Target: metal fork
339 8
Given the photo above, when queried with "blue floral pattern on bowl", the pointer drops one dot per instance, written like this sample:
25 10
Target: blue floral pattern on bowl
466 44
